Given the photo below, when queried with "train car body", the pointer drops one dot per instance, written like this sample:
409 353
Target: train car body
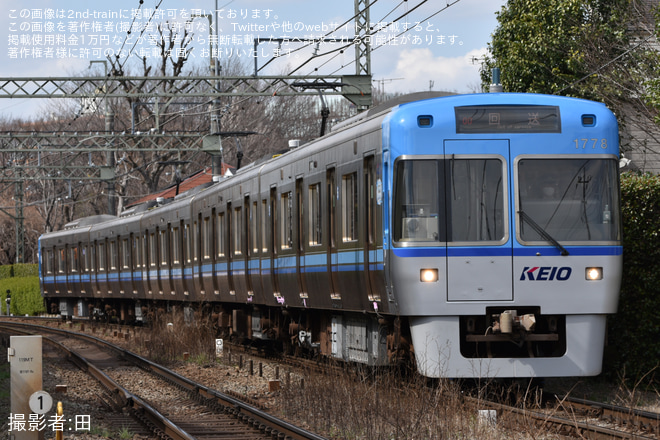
479 234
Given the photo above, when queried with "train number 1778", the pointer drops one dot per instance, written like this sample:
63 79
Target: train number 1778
591 143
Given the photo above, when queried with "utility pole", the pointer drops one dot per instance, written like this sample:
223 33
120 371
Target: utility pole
362 32
110 162
108 173
362 43
20 240
216 123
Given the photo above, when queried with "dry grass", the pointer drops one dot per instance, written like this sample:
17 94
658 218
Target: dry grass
368 406
362 404
367 403
168 336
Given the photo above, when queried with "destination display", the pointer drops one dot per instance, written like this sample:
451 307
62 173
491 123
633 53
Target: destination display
507 119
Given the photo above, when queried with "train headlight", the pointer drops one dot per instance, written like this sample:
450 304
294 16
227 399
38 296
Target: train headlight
594 273
428 275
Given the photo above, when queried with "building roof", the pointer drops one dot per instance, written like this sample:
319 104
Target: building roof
201 177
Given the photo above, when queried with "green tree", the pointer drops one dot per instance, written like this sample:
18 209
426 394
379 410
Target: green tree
566 47
653 84
603 50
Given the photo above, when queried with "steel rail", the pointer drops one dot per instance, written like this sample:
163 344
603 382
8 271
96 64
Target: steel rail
559 425
646 421
239 408
157 422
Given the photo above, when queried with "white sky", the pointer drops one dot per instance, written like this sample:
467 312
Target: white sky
59 38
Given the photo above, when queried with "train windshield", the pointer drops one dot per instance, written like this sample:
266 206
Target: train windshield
569 200
453 199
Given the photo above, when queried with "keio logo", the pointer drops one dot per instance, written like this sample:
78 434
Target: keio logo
547 273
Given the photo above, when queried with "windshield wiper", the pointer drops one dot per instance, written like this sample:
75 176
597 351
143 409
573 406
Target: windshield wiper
542 232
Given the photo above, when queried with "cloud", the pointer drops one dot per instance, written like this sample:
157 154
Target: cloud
420 66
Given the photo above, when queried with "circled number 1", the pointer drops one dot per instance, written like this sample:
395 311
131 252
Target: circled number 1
40 402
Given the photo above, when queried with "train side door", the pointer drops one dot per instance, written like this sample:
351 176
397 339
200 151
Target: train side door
94 268
331 209
479 246
215 248
373 277
136 263
248 245
190 273
272 244
151 256
232 248
300 240
181 253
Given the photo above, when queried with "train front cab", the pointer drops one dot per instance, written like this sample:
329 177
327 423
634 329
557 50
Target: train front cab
506 249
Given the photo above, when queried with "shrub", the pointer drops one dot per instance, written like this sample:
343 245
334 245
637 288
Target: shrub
634 334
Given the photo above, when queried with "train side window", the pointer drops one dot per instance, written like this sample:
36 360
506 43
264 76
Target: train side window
213 231
254 228
125 254
137 251
195 241
206 238
264 229
272 222
286 232
300 216
144 244
314 220
85 258
187 244
113 255
349 206
48 261
221 234
101 256
61 261
247 227
176 248
162 240
92 258
153 250
74 259
236 229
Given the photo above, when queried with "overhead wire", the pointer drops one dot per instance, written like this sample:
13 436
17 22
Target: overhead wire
449 4
83 110
144 28
338 27
338 51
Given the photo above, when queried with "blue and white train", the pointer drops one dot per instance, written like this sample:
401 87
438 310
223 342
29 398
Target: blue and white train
473 235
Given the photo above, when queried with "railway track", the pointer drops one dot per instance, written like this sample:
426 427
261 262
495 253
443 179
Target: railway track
576 418
562 416
169 405
629 422
567 416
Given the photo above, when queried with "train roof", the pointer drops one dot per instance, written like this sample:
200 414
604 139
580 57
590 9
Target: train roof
388 105
88 221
